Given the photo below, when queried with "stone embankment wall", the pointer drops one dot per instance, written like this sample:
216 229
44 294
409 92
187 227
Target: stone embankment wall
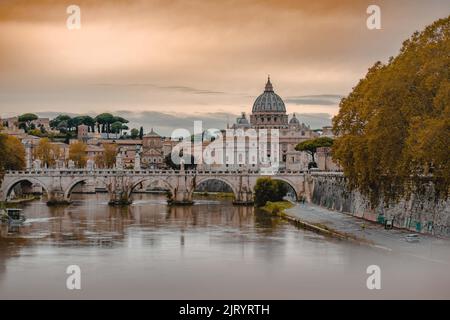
420 213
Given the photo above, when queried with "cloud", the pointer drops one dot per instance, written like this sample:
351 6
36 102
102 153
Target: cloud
192 56
175 88
314 120
320 99
163 123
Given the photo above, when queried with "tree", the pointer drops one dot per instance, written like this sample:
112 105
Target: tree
25 120
75 122
141 133
12 154
310 146
47 152
394 128
110 154
90 122
54 123
108 158
134 133
116 127
63 126
267 189
77 153
120 119
105 120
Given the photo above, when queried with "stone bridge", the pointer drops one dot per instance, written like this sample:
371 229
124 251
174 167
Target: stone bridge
120 184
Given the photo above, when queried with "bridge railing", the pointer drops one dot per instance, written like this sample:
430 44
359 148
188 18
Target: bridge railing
81 172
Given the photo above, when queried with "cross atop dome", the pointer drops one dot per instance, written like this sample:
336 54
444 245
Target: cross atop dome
269 87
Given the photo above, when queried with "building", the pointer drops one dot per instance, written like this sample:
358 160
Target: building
153 153
83 132
327 131
269 113
12 123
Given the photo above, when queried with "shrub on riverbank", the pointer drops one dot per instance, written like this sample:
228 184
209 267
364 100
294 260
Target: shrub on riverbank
267 189
277 208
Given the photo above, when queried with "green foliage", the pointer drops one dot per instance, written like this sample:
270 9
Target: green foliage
310 146
104 123
120 119
134 133
55 123
35 132
25 121
116 127
27 117
267 189
105 120
394 127
277 207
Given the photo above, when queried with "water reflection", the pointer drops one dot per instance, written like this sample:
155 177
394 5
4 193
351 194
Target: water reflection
92 222
210 250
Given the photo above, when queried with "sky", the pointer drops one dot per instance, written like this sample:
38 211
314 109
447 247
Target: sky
166 63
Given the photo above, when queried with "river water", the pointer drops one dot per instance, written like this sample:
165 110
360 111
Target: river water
207 251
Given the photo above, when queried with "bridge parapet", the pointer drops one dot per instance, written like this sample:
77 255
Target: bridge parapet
59 172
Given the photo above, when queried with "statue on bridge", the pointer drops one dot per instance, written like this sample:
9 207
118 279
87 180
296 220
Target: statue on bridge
119 161
137 159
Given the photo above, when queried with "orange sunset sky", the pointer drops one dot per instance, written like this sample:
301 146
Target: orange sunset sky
161 63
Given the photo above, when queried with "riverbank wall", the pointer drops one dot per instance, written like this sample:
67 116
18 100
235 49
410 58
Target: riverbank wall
421 213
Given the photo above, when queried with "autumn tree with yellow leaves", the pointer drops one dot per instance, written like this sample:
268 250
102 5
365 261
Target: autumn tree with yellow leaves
108 158
77 153
47 152
12 154
394 128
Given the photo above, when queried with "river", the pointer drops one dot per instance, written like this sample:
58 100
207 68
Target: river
211 250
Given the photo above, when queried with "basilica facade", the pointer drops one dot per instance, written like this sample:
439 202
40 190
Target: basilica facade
268 115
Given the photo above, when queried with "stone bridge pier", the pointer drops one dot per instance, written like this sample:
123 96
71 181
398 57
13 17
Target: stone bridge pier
119 189
244 194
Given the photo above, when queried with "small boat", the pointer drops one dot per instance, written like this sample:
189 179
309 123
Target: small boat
12 216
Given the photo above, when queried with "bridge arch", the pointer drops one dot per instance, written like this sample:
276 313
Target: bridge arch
290 183
212 178
72 185
7 190
151 179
